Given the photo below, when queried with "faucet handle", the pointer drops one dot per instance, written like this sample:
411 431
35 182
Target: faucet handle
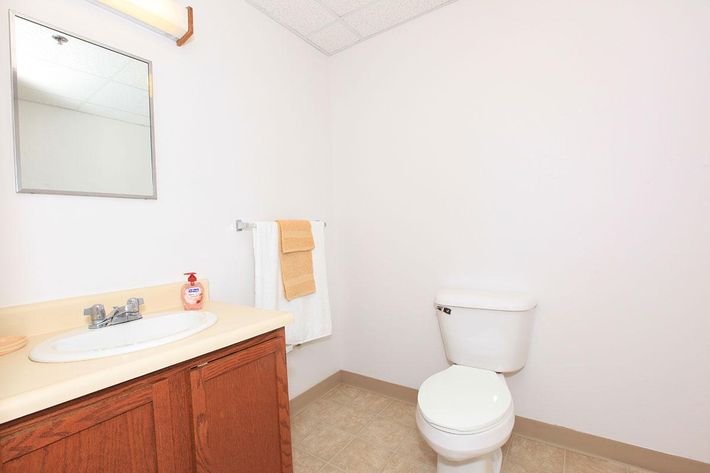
96 312
133 304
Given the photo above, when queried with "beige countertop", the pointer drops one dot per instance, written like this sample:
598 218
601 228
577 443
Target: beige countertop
27 386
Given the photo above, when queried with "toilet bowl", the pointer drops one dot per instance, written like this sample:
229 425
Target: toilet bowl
465 412
465 415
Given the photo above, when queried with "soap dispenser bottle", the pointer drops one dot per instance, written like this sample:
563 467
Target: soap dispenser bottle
192 293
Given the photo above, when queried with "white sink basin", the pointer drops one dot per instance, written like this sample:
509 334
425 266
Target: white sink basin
152 331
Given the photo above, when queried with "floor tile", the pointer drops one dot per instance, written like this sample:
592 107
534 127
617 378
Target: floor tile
398 463
319 411
402 412
353 430
348 418
414 446
529 456
343 393
371 403
304 462
384 432
506 446
368 402
325 442
302 425
579 463
361 457
329 469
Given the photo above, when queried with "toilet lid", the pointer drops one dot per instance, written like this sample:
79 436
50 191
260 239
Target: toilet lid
464 400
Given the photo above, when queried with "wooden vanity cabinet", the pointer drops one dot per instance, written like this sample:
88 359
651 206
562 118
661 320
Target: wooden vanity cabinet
226 411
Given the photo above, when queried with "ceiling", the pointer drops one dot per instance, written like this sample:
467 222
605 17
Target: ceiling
334 25
79 75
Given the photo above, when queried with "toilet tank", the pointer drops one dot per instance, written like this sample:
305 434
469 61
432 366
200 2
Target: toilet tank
484 329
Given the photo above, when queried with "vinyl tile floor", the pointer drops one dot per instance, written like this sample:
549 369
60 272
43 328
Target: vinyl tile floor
352 430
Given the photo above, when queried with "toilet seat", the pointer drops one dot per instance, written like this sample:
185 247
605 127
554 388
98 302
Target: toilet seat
463 400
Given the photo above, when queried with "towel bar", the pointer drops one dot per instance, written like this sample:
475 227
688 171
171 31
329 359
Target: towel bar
241 225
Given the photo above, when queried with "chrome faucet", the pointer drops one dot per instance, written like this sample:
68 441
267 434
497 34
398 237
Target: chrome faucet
119 314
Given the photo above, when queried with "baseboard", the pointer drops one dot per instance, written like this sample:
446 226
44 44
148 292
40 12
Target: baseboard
571 439
396 391
302 400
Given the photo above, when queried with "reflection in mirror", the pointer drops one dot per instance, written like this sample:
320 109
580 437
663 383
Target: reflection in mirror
82 116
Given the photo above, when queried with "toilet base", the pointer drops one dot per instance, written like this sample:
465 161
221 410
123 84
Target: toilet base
489 463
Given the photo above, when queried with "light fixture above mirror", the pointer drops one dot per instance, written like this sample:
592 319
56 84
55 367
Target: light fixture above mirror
167 17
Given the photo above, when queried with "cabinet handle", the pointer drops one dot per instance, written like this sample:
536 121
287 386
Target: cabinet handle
202 364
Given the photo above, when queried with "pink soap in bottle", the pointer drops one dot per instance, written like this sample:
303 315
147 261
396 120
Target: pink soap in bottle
192 293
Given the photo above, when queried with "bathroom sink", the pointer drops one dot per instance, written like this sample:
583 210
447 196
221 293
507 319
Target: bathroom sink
148 332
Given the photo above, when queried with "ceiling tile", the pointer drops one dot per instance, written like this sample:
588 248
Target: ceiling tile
134 74
304 16
333 25
384 14
122 97
112 113
334 37
341 7
39 96
36 41
56 79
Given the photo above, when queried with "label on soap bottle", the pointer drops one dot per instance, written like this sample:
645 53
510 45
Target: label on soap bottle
193 295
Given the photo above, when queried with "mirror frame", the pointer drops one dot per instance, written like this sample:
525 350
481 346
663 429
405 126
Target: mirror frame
15 115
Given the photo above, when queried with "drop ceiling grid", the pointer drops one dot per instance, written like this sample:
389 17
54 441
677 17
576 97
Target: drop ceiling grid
349 21
112 84
339 21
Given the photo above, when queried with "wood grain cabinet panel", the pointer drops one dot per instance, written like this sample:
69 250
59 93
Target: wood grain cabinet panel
240 412
117 433
223 412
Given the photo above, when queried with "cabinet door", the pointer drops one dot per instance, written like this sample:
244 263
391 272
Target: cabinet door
122 433
240 412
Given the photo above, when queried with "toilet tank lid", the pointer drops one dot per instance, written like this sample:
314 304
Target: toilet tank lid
491 300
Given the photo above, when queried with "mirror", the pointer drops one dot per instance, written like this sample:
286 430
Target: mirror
82 116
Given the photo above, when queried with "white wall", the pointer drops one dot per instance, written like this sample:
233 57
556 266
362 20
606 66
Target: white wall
240 119
555 146
64 149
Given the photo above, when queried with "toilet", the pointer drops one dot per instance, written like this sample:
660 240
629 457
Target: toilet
465 413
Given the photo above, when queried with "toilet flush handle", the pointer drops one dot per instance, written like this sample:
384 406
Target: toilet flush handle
443 309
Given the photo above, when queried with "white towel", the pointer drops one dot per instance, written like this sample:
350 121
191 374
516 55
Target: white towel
311 313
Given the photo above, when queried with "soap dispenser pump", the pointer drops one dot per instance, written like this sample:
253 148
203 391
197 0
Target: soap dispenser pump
192 293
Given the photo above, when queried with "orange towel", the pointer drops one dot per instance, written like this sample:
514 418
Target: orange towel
296 235
296 258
